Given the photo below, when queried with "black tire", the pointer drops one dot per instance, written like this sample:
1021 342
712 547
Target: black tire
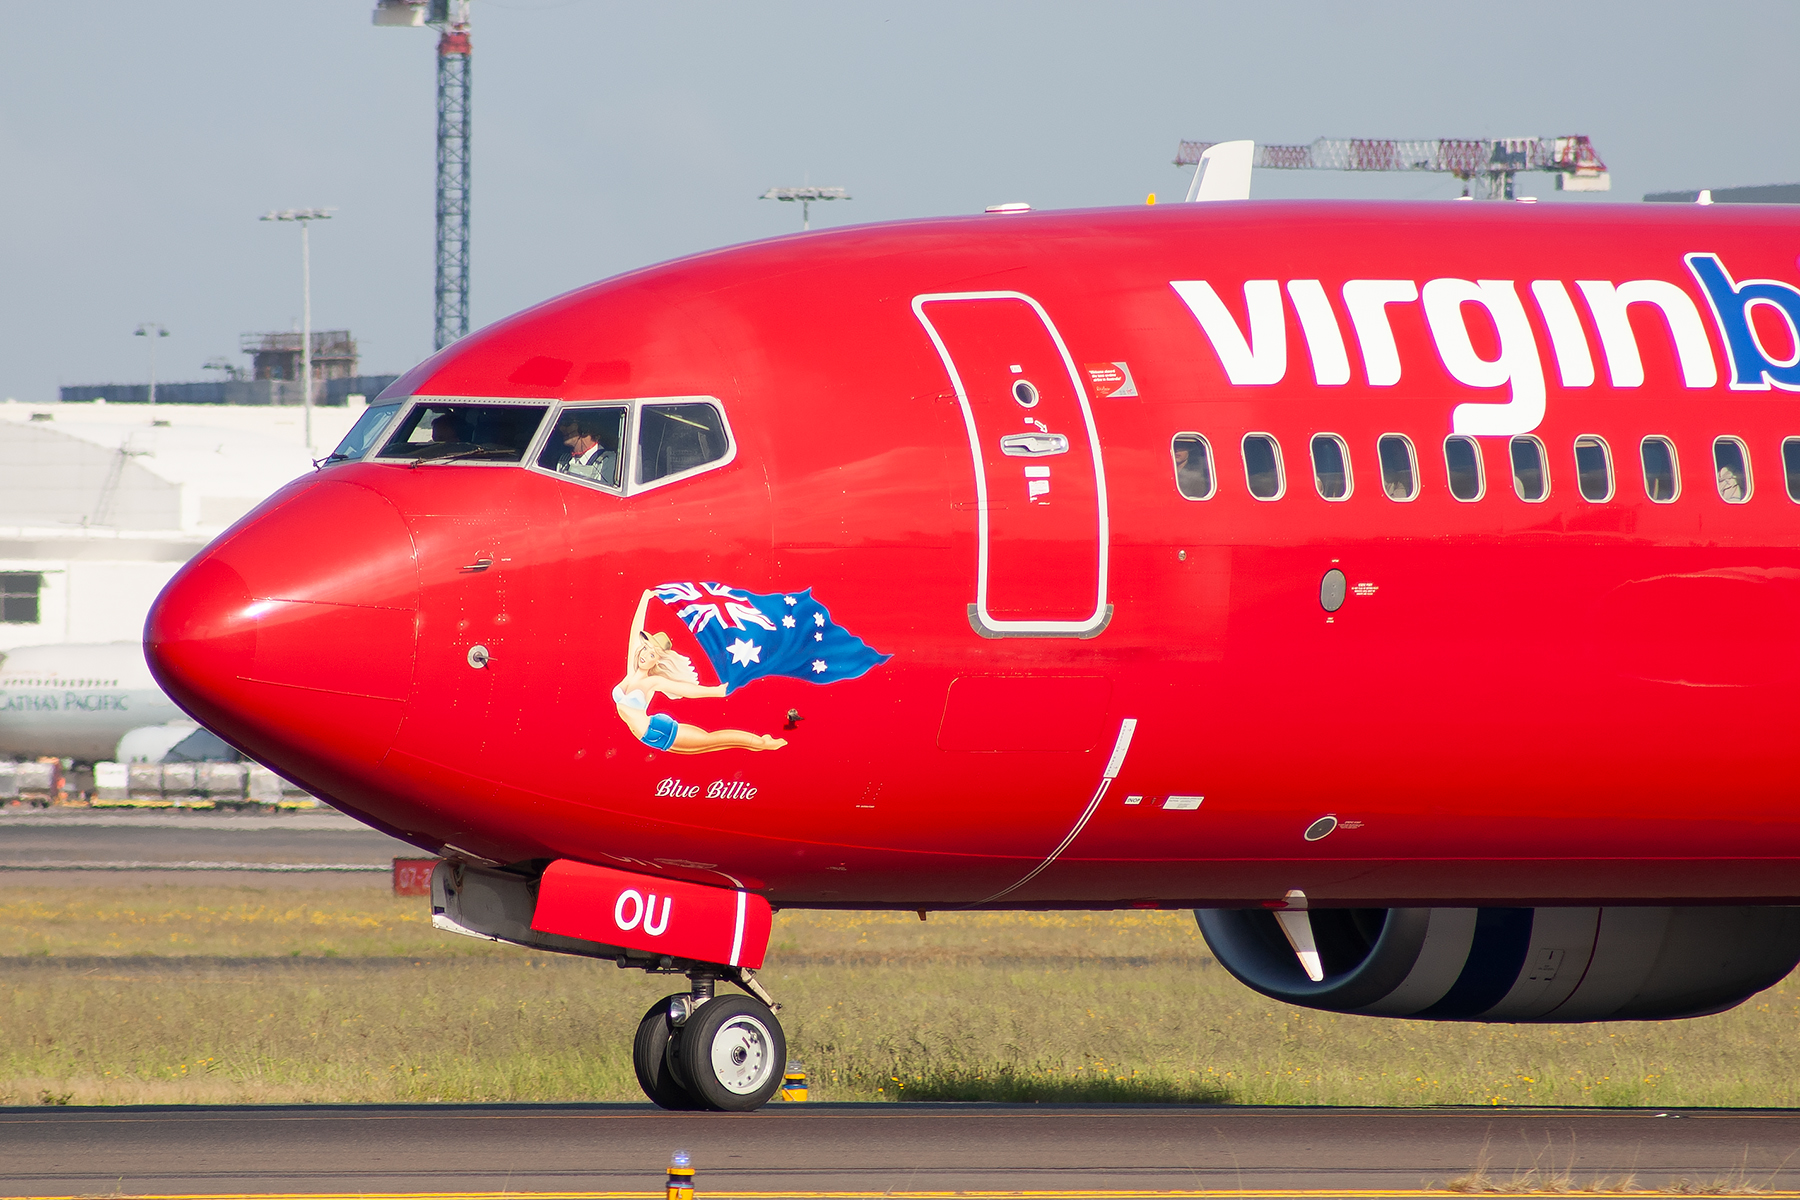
732 1053
650 1057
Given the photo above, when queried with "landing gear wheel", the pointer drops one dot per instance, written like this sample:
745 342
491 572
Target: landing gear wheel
650 1055
732 1053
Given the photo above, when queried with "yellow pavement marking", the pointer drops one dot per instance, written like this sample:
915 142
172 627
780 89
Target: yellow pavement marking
877 1110
972 1194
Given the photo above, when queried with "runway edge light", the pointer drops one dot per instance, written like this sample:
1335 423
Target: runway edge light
681 1177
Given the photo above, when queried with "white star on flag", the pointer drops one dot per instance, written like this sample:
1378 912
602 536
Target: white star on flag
744 652
787 622
818 666
818 637
819 619
791 601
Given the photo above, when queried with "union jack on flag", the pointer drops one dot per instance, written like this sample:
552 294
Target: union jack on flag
747 635
706 604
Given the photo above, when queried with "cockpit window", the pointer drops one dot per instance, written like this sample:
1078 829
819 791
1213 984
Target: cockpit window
676 438
456 432
585 443
626 446
363 434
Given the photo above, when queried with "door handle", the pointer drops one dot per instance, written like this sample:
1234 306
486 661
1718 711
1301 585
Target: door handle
1033 445
480 564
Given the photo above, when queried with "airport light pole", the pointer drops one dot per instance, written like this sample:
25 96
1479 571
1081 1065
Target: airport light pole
304 216
806 196
152 330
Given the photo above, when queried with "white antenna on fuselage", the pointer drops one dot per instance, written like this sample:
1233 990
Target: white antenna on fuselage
1223 172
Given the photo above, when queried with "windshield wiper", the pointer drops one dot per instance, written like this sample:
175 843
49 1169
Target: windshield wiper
470 453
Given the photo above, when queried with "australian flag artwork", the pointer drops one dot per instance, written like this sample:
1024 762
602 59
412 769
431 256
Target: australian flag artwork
748 635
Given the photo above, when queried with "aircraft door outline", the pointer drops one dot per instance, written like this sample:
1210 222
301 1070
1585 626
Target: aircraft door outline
1031 445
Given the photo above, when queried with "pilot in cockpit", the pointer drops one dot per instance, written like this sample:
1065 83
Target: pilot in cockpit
588 456
451 427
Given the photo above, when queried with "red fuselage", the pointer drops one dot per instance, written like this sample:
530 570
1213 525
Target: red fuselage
1565 700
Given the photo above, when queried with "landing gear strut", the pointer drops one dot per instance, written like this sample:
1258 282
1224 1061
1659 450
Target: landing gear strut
704 1051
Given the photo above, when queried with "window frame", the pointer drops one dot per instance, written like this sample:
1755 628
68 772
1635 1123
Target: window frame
1543 465
627 429
1280 466
1674 465
412 402
635 488
375 443
1788 487
1749 468
1480 468
36 597
1612 474
1412 453
1349 471
628 448
1212 465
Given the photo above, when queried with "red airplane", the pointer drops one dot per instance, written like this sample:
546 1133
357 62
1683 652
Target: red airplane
1411 590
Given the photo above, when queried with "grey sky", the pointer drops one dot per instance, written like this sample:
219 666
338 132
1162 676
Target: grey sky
141 141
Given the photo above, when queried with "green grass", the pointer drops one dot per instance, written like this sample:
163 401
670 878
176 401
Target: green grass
355 998
162 919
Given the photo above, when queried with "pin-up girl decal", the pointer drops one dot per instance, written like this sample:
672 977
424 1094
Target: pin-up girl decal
653 667
776 634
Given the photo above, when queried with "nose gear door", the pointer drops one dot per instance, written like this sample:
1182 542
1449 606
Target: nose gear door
1040 483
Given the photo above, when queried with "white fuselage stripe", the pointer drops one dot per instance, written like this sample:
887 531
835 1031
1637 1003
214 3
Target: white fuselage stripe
1127 728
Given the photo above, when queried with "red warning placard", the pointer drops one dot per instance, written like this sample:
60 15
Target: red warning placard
412 876
1112 380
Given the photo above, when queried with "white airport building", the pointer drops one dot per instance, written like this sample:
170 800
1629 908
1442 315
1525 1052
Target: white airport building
100 504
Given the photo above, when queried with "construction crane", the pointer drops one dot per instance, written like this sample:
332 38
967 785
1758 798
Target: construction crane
451 19
1485 165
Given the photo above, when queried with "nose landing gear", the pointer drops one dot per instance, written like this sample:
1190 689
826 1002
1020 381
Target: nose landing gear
704 1052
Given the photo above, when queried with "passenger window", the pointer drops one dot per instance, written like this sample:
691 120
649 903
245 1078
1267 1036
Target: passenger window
1331 466
1731 464
676 438
1530 478
1662 474
442 432
585 443
1790 463
1593 468
1462 457
1262 466
1399 467
1193 466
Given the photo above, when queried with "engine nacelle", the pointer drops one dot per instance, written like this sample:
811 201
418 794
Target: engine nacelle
1514 964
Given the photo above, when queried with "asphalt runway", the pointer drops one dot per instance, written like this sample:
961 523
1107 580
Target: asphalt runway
805 1151
96 844
817 1150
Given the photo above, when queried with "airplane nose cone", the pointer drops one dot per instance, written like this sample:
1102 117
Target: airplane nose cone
293 637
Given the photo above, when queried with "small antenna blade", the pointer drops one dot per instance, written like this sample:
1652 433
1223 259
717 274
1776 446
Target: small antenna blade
1223 172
